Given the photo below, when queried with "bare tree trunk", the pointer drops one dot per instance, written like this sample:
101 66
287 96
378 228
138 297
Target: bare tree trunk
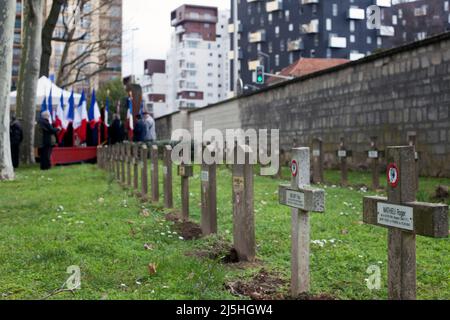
7 16
47 36
29 74
61 77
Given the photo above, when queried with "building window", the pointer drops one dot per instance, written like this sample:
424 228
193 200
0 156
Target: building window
277 60
335 9
329 25
352 26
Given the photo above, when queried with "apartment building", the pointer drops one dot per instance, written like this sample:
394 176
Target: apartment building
96 56
197 66
417 20
154 87
276 33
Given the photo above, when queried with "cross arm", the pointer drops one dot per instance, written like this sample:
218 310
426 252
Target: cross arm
306 198
185 171
429 220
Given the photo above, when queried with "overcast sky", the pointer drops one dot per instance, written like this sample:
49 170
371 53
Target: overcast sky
152 19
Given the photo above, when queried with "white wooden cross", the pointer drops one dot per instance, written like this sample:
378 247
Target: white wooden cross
405 218
302 199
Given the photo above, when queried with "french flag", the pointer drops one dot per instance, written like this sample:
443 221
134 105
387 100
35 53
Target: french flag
50 108
69 113
81 119
60 121
94 112
130 119
106 120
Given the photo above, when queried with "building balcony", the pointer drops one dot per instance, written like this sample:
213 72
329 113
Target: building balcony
253 64
194 17
295 45
274 5
383 3
312 27
310 1
180 30
231 27
259 36
337 42
386 31
356 14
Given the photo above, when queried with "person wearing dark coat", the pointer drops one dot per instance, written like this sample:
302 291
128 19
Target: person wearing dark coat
48 140
140 131
116 132
16 138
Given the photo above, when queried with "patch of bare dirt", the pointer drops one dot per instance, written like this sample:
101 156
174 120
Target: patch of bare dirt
268 286
218 250
186 229
263 286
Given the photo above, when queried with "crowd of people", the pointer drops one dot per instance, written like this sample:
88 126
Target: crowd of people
144 132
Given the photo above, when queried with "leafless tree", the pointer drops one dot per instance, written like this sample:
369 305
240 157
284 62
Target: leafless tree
7 15
29 73
88 62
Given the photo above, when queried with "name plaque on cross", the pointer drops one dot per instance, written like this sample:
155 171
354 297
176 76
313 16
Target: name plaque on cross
373 154
204 176
342 153
295 199
395 216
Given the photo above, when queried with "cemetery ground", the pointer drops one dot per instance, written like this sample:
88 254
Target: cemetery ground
127 249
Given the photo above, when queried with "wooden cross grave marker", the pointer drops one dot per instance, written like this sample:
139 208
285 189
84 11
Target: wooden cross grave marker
154 173
374 156
405 218
123 158
244 238
209 197
144 172
167 173
317 153
302 199
185 171
342 155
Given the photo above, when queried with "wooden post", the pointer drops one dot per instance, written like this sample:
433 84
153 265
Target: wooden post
342 154
412 141
374 155
302 199
405 218
243 208
144 173
117 148
185 172
167 172
129 157
155 173
135 160
123 158
209 198
318 176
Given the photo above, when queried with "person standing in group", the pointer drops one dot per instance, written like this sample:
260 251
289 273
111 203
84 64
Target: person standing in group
116 132
140 132
150 125
16 138
48 140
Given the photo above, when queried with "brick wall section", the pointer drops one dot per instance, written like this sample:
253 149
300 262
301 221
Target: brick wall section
388 95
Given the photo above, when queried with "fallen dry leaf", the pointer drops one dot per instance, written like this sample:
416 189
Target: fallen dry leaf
148 246
145 213
152 268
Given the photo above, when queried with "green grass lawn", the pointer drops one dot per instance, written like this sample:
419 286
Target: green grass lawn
79 216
